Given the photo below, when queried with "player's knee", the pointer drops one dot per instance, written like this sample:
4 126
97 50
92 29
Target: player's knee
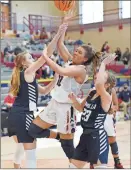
68 147
37 132
114 148
111 139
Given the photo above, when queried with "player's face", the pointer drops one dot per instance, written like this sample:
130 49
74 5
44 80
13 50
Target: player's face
28 59
79 56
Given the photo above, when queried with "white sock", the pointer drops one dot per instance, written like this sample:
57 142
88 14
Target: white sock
102 166
71 166
30 158
19 153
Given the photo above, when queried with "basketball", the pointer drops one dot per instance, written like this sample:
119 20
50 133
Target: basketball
64 5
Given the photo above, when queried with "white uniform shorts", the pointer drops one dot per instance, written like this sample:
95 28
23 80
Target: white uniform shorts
109 126
62 115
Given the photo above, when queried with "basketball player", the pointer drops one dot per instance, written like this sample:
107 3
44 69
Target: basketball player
24 87
59 110
93 145
109 126
111 132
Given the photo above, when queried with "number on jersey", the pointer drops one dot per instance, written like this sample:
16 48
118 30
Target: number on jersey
59 80
85 115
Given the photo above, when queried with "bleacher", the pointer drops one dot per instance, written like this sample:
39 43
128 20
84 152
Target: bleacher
6 68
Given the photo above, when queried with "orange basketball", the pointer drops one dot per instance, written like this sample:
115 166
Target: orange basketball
64 5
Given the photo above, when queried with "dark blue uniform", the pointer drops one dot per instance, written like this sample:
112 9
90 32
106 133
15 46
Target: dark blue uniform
93 143
21 114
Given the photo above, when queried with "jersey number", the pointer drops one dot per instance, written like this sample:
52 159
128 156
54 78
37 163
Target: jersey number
59 80
86 115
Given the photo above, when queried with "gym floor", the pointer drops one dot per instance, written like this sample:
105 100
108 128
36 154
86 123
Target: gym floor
50 154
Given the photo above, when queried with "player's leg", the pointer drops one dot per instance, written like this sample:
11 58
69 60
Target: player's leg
111 132
30 153
39 128
19 154
66 125
80 156
115 153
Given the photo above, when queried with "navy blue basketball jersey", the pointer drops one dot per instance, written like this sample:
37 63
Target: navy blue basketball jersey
93 116
27 97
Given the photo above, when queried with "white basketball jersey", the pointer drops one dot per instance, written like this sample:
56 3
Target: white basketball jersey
64 87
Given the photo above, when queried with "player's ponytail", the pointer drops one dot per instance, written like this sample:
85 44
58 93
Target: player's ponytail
92 56
96 61
15 79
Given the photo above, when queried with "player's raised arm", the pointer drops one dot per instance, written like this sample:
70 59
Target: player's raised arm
104 83
51 47
68 71
63 51
47 89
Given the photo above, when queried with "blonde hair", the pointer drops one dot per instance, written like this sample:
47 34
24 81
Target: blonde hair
15 79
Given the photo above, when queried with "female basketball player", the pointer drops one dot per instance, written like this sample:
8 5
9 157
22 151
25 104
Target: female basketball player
59 110
93 145
24 87
109 126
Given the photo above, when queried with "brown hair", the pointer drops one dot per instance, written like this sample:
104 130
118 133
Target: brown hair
93 57
15 79
111 80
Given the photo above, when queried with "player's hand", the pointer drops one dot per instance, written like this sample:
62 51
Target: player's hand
62 28
70 15
72 97
109 59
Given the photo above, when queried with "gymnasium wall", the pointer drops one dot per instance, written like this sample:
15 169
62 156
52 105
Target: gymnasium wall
24 8
112 34
115 37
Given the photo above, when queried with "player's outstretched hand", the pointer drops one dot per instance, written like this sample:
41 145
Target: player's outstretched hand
109 58
62 28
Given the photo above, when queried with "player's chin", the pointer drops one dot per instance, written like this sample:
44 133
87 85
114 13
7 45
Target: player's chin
74 60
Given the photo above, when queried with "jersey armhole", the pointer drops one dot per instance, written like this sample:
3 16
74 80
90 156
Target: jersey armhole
27 81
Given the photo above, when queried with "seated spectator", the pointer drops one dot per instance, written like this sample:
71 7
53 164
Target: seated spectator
105 47
124 98
69 41
53 33
32 39
37 36
8 53
43 34
126 57
17 50
118 53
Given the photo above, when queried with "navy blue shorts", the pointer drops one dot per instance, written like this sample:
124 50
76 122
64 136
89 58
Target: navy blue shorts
92 148
18 125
